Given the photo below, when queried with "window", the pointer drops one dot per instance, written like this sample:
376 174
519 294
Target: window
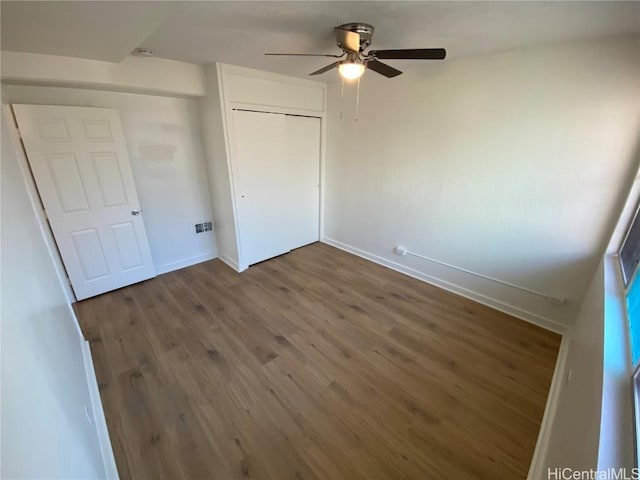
630 251
629 261
629 264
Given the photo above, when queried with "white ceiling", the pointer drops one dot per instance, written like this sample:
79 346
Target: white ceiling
96 30
239 32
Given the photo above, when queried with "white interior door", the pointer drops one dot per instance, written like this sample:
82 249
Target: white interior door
276 175
303 179
261 185
81 168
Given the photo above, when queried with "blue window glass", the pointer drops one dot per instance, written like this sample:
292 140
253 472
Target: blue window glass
633 314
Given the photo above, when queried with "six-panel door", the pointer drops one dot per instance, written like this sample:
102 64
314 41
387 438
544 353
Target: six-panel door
82 171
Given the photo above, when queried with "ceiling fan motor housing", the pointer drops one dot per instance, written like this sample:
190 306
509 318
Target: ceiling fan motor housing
363 29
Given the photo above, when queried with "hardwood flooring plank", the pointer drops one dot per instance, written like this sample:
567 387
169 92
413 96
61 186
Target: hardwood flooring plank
314 365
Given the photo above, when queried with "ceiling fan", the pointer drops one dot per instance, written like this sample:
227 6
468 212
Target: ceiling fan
354 39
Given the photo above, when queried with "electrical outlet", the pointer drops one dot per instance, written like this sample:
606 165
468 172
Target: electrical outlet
199 227
399 250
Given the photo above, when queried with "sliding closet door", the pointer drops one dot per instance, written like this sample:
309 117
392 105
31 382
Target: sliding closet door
303 169
277 177
262 190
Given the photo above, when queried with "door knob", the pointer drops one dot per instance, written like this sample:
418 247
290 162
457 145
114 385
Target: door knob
135 211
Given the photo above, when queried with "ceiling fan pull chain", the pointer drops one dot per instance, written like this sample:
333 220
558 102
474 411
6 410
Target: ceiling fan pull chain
358 101
341 95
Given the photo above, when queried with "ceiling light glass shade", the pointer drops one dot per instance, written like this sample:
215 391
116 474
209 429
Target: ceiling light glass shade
350 70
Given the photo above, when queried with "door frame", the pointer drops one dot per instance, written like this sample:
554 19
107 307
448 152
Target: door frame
37 205
229 107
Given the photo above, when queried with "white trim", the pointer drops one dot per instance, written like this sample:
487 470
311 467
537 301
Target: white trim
558 300
617 437
538 462
496 304
109 461
232 263
99 420
186 262
227 105
225 112
36 205
323 161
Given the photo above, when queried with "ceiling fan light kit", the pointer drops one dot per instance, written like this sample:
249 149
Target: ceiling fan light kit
353 39
351 70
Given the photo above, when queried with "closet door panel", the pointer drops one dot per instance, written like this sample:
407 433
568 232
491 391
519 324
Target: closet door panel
262 185
303 171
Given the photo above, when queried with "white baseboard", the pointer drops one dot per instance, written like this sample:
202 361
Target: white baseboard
538 462
111 471
496 304
187 262
233 264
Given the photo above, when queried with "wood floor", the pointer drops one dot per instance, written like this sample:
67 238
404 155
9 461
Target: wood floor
314 365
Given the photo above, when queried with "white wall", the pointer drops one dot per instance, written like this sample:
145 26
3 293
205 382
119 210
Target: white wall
573 437
510 165
44 389
152 75
165 147
213 136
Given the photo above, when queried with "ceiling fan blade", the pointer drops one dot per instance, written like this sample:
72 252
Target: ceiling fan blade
305 55
348 40
383 69
410 54
325 69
